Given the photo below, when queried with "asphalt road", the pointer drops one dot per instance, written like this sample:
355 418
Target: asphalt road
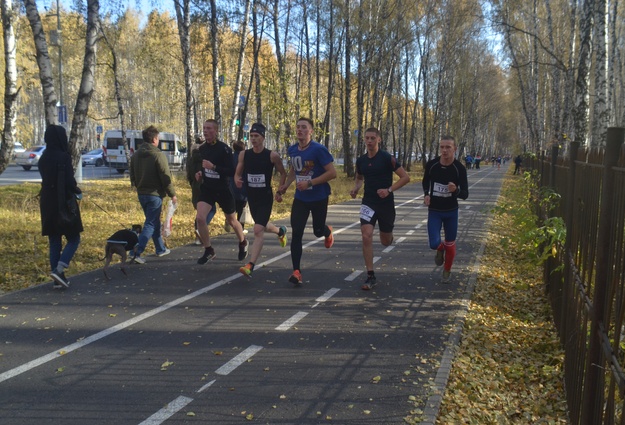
179 343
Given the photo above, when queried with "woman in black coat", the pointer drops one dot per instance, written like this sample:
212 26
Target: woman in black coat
53 162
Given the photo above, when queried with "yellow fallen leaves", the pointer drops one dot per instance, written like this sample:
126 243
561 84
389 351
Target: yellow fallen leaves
166 364
509 365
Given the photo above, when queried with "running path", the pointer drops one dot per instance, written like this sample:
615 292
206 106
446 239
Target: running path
176 342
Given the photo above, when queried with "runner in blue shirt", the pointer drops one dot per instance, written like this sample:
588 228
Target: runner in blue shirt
312 167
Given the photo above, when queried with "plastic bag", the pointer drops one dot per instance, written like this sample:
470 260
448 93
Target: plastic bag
166 228
246 215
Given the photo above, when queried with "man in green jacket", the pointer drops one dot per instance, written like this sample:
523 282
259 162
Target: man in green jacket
149 173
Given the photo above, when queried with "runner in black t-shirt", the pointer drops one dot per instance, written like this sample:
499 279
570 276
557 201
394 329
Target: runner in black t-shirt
255 171
375 169
217 169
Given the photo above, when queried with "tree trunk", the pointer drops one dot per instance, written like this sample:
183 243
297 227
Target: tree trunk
331 70
582 94
183 17
43 61
214 29
256 69
601 111
118 94
87 82
284 118
237 84
348 165
10 84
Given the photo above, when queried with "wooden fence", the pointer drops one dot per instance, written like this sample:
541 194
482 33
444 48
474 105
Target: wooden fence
586 279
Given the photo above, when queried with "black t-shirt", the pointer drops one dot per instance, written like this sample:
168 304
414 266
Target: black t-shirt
257 173
436 177
378 174
219 154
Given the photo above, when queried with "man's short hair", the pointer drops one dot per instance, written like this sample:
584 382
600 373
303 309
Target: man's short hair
149 134
373 130
448 137
308 120
212 121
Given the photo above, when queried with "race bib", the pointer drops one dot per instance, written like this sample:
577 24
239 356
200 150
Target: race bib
256 180
299 178
441 190
211 174
366 213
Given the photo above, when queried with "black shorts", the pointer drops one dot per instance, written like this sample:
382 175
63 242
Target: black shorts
261 208
224 198
383 214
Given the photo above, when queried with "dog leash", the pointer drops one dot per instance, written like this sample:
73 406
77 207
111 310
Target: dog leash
108 214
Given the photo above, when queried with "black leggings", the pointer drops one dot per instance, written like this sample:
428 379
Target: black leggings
300 211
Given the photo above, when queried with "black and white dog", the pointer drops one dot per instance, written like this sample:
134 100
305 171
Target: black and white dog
120 243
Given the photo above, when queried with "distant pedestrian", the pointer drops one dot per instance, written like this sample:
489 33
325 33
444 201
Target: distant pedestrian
444 181
375 169
312 167
478 159
150 175
254 173
58 186
517 164
217 170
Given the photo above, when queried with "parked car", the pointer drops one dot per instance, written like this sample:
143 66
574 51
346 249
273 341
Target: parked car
95 157
17 148
30 157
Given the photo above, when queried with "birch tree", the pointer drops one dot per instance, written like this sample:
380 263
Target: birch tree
11 90
183 17
87 82
43 61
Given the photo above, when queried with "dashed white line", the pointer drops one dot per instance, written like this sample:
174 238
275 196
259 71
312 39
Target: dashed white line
167 411
288 324
354 275
238 360
325 297
206 386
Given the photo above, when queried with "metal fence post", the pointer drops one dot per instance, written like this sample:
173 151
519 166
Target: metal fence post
570 204
593 384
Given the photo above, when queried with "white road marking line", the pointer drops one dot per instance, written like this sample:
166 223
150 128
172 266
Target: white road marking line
388 249
287 324
418 226
123 325
106 332
238 360
167 411
376 259
206 386
329 294
410 232
354 275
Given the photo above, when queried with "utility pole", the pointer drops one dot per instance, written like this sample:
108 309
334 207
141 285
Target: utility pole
58 29
56 40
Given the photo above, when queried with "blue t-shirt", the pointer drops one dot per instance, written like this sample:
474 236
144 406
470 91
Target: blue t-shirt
309 164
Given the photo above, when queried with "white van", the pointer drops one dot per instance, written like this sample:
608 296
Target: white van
113 145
